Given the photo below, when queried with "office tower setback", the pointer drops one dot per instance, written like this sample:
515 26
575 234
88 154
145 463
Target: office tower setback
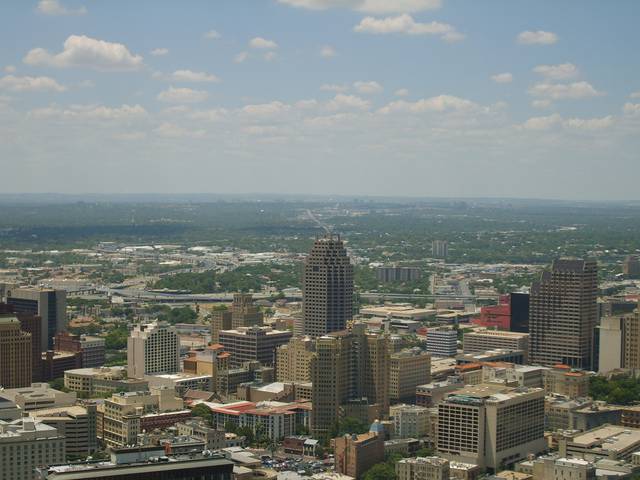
439 248
350 376
563 313
327 287
246 344
50 305
15 353
243 312
152 348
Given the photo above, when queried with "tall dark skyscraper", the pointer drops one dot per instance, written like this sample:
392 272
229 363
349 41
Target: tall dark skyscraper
328 287
563 313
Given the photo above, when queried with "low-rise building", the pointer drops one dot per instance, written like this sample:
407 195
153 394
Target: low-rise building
355 454
563 380
423 468
77 424
608 441
39 395
409 421
97 382
181 382
431 394
483 340
407 370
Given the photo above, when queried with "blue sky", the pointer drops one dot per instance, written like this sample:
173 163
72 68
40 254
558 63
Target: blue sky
390 97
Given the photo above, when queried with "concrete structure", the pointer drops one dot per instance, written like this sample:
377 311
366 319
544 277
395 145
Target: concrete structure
490 425
397 311
213 439
293 360
355 454
562 380
327 288
247 344
181 382
407 370
26 444
563 313
483 340
49 304
152 348
398 274
96 382
244 313
439 249
409 421
498 355
431 394
619 342
442 342
350 377
552 467
608 441
91 348
16 359
77 424
423 468
38 395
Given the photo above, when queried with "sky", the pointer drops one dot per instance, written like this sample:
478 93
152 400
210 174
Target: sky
427 98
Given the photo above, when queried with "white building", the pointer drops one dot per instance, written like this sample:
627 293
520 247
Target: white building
442 342
152 348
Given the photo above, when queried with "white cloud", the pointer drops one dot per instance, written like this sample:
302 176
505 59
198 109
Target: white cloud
10 69
265 109
558 91
631 108
405 24
170 130
401 92
327 51
348 102
30 84
241 57
86 84
589 123
212 115
542 123
191 76
211 35
633 95
268 56
562 71
91 112
54 7
332 87
539 37
541 104
306 104
158 52
368 6
505 77
182 95
441 103
262 43
83 51
368 88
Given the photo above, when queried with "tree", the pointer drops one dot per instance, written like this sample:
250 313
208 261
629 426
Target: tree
202 411
380 471
230 427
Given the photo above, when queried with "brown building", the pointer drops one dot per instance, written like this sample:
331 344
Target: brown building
247 344
355 454
31 324
327 288
244 313
15 353
631 266
54 364
350 377
220 320
563 312
92 349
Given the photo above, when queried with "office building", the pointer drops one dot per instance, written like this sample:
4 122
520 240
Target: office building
619 342
54 364
563 314
483 340
407 370
77 424
490 425
495 316
519 303
220 320
409 421
552 467
26 444
398 274
293 360
423 468
631 266
615 442
355 454
31 324
214 439
244 313
350 377
92 349
562 380
247 344
442 342
152 348
16 366
39 395
50 305
440 249
327 288
97 382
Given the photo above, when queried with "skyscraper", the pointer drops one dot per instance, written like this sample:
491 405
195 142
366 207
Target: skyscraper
15 353
152 348
327 287
563 313
243 312
49 304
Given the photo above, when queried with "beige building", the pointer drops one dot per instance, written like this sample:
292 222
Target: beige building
409 421
563 314
407 370
77 424
97 382
293 360
16 368
553 468
562 380
491 425
423 468
26 444
350 377
152 348
620 342
483 340
39 395
608 441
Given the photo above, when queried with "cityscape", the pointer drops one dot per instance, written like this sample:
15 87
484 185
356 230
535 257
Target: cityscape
216 276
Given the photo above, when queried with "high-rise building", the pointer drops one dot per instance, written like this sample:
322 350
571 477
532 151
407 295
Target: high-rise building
243 312
15 353
519 303
220 320
398 274
490 425
407 370
92 349
350 377
31 324
442 342
293 360
439 248
152 348
563 313
247 344
327 288
423 468
355 454
619 342
49 304
25 445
